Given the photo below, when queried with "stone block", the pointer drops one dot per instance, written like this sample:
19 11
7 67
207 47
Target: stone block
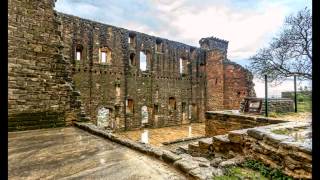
169 157
186 164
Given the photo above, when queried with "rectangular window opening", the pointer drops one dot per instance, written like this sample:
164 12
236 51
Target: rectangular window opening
129 106
78 55
103 57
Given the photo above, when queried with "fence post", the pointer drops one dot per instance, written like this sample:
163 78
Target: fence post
266 95
295 94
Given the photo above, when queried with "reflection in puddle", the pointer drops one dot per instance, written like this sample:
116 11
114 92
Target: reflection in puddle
145 137
190 131
102 161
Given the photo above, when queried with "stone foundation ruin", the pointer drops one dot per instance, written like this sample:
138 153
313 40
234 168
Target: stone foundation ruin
282 145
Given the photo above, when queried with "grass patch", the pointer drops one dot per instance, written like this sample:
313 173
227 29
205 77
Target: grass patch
305 106
253 170
267 172
236 173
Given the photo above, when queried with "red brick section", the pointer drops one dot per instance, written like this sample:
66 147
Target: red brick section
237 85
214 80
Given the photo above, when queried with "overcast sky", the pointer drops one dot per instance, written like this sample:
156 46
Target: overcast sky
248 25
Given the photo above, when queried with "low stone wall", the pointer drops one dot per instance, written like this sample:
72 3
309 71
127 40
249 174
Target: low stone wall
218 122
279 105
291 154
284 146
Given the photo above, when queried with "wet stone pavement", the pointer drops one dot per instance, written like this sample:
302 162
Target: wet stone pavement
71 153
166 134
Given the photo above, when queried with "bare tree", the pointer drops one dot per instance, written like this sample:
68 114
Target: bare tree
288 54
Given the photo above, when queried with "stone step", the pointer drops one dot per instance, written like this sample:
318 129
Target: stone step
183 148
193 147
206 141
220 139
237 136
204 144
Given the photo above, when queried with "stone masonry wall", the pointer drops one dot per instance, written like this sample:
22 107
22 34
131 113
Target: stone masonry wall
48 87
237 85
291 153
152 88
216 53
39 85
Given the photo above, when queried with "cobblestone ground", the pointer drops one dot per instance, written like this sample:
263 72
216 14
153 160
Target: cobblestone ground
71 153
167 134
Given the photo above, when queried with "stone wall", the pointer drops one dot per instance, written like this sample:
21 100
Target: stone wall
39 83
292 153
218 123
274 104
237 85
49 87
282 145
152 88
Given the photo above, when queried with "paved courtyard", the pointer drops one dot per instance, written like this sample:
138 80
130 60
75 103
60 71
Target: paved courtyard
159 135
71 153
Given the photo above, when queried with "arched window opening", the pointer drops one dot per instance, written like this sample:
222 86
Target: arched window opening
172 103
117 90
105 55
79 49
158 45
132 61
103 117
144 114
143 61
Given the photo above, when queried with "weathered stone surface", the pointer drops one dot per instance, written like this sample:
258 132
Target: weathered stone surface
186 164
170 157
257 134
71 153
237 136
203 173
233 161
216 161
282 151
44 75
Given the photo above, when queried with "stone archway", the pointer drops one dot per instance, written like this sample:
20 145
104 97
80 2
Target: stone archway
103 117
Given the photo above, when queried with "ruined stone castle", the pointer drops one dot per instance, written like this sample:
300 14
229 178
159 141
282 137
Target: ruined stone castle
64 68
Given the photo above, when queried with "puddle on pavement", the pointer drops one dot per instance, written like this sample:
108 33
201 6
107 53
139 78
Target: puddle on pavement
157 136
